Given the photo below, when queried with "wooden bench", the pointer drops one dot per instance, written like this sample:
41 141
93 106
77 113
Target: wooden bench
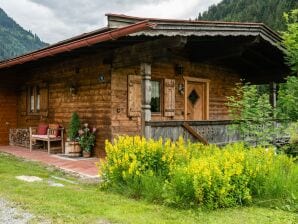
51 136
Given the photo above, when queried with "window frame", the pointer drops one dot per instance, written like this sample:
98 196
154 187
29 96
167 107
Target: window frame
159 113
33 91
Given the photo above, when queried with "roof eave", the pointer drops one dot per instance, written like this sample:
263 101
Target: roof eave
75 44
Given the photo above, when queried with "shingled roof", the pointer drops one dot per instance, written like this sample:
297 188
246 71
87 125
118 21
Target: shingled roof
123 25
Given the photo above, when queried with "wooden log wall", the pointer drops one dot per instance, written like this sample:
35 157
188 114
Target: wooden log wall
222 83
91 100
122 124
8 113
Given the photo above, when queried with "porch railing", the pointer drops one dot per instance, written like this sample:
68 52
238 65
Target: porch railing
215 132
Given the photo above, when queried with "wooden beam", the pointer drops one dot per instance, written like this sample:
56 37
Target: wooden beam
258 56
146 99
194 133
273 93
147 52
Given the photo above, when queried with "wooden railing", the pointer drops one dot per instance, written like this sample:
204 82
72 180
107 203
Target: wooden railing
215 132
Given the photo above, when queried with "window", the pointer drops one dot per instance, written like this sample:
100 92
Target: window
34 99
155 97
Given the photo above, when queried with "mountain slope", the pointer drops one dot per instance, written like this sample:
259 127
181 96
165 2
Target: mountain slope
14 40
269 12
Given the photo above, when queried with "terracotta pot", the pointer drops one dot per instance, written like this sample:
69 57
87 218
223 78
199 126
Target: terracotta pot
86 154
73 149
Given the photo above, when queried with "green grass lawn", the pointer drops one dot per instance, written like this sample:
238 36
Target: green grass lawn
83 203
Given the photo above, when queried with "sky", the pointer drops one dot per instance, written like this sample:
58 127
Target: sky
56 20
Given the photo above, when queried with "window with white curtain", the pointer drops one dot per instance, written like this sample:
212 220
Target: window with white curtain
34 99
155 97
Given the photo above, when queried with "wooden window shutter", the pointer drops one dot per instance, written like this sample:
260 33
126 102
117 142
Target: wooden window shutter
169 98
44 100
23 101
134 96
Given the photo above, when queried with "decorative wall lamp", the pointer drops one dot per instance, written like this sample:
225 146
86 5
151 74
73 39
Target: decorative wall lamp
180 88
101 78
72 90
72 87
179 69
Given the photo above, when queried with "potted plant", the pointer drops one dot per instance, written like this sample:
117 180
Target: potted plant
72 146
87 140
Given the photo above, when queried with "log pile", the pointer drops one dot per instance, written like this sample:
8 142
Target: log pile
19 137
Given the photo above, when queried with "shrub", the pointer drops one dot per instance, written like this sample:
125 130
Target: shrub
252 113
287 99
189 174
74 127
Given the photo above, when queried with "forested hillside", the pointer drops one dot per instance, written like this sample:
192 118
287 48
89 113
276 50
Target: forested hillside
14 40
269 12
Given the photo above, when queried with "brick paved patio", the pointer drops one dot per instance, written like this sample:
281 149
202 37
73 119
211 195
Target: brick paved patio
84 167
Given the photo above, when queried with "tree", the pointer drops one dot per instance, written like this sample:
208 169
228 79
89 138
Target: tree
252 114
74 127
288 93
290 39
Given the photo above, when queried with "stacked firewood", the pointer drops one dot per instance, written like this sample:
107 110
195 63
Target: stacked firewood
19 137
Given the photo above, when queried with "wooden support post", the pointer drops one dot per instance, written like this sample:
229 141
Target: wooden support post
273 94
146 99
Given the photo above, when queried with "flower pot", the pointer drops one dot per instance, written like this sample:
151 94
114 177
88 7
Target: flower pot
86 154
73 149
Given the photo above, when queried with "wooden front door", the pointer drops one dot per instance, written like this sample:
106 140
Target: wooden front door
196 99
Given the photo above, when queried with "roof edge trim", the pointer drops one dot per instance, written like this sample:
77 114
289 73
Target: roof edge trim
85 42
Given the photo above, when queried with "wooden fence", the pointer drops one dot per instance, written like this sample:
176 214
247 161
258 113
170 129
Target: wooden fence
216 132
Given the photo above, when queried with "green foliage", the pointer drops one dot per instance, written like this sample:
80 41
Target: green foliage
85 203
191 174
269 12
290 39
74 127
14 40
86 138
288 99
253 114
292 147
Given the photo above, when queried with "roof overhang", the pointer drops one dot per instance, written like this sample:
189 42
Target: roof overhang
78 42
120 26
166 27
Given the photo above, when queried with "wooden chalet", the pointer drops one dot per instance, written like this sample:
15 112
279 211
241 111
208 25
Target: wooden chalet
140 76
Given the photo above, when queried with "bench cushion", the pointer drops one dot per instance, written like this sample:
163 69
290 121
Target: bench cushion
42 129
44 136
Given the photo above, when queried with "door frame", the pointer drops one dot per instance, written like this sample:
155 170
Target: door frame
206 82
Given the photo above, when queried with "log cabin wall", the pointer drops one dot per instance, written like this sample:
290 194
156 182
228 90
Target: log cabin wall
8 113
122 124
222 82
91 100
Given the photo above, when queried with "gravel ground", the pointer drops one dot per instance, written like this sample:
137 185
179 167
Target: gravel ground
9 214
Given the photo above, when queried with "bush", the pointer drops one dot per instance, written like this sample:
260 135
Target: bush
74 126
252 113
189 174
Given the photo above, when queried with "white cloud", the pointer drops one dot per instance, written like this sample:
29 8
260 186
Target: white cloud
55 20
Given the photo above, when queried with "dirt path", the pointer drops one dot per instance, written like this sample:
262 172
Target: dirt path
10 214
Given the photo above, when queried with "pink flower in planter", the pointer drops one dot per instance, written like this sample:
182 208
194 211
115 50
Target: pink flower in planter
81 132
93 130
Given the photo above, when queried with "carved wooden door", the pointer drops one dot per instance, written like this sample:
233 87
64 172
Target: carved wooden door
196 100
